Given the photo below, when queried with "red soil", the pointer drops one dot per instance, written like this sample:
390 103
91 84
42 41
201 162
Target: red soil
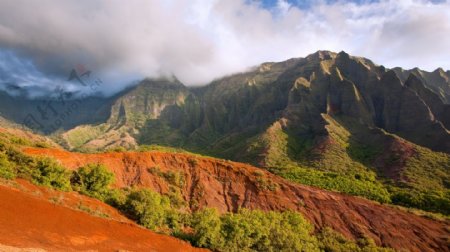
229 185
29 220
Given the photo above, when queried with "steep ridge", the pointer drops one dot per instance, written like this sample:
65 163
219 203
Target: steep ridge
128 113
229 185
29 221
438 80
229 115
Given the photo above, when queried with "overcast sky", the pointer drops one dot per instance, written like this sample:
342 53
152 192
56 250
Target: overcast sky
199 40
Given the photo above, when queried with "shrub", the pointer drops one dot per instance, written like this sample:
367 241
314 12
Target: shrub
332 241
6 167
266 184
207 227
118 149
48 172
436 201
116 198
150 209
93 180
174 178
253 230
21 163
192 162
360 184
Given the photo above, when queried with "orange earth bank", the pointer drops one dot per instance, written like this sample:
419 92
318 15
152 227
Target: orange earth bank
229 185
29 221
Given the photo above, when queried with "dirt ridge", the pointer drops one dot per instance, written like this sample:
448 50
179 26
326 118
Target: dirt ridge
29 222
228 185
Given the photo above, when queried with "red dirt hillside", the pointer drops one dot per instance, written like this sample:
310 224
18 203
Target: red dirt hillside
229 185
30 221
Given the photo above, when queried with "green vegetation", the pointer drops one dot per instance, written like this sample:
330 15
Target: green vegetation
363 184
246 230
93 180
265 184
35 141
6 168
49 173
332 241
154 147
83 134
175 178
151 210
253 230
117 149
428 185
346 165
434 201
364 154
39 170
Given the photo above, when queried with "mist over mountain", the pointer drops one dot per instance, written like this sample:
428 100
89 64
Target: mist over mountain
200 41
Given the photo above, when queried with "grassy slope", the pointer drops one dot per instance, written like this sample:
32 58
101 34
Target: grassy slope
341 163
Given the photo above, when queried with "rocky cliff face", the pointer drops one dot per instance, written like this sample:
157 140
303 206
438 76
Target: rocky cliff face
438 81
232 110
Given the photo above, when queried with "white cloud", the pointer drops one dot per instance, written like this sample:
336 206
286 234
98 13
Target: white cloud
203 39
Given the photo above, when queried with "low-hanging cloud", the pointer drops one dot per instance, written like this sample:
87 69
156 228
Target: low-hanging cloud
41 41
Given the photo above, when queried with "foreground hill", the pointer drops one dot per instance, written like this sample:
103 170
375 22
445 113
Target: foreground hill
39 219
227 186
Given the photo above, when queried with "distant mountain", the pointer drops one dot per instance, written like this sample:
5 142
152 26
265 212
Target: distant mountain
299 94
438 81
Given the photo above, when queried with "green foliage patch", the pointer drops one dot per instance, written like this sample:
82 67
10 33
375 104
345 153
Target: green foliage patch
93 180
360 184
6 167
50 173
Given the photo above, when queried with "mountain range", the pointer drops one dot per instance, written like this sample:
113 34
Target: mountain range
329 120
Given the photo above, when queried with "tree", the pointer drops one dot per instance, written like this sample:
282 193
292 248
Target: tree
149 208
93 180
207 226
50 173
6 167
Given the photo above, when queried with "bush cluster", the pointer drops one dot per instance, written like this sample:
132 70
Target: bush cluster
435 201
6 167
252 230
93 180
359 184
50 173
